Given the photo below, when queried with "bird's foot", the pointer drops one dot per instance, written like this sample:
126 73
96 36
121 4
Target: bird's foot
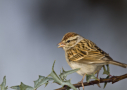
99 83
110 76
81 82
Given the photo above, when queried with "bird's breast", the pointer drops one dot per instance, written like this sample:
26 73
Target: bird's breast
84 68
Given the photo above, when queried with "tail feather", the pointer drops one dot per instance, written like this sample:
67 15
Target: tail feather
118 63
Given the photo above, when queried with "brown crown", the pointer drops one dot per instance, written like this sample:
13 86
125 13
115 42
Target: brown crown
69 34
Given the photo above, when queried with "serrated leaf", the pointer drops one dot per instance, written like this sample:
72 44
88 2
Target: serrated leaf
16 87
68 83
41 80
106 82
88 77
25 87
54 75
22 86
58 79
64 73
107 72
108 69
46 84
3 84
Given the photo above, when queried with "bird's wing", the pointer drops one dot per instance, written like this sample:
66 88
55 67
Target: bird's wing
87 52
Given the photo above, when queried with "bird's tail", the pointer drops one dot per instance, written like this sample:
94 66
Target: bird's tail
117 63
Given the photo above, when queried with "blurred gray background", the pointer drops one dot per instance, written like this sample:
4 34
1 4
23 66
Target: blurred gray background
31 29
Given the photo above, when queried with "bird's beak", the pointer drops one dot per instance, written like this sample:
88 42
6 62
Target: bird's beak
61 44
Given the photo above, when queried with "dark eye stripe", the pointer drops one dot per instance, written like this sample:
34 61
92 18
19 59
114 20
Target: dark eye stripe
68 41
71 40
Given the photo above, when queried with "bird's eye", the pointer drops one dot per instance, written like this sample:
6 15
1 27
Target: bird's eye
68 41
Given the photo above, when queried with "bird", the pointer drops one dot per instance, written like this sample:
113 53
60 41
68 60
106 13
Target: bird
85 54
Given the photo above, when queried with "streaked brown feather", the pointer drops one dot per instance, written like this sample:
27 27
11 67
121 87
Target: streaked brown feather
87 52
69 34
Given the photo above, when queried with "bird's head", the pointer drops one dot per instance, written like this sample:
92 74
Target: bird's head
69 40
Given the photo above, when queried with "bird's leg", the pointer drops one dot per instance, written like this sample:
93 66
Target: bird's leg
82 81
97 74
98 79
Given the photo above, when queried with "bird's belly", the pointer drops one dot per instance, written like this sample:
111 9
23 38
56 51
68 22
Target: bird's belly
85 68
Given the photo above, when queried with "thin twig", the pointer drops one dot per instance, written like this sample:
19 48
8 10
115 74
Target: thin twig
113 79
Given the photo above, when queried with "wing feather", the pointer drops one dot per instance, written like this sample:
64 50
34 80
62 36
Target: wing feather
87 52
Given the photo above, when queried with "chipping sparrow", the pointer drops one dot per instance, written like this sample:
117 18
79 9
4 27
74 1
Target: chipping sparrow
84 54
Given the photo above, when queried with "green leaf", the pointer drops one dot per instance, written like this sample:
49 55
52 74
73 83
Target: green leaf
106 82
25 87
88 77
41 80
55 76
3 84
22 87
64 73
58 80
106 71
17 87
46 83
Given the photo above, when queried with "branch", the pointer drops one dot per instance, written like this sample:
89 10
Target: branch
113 79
